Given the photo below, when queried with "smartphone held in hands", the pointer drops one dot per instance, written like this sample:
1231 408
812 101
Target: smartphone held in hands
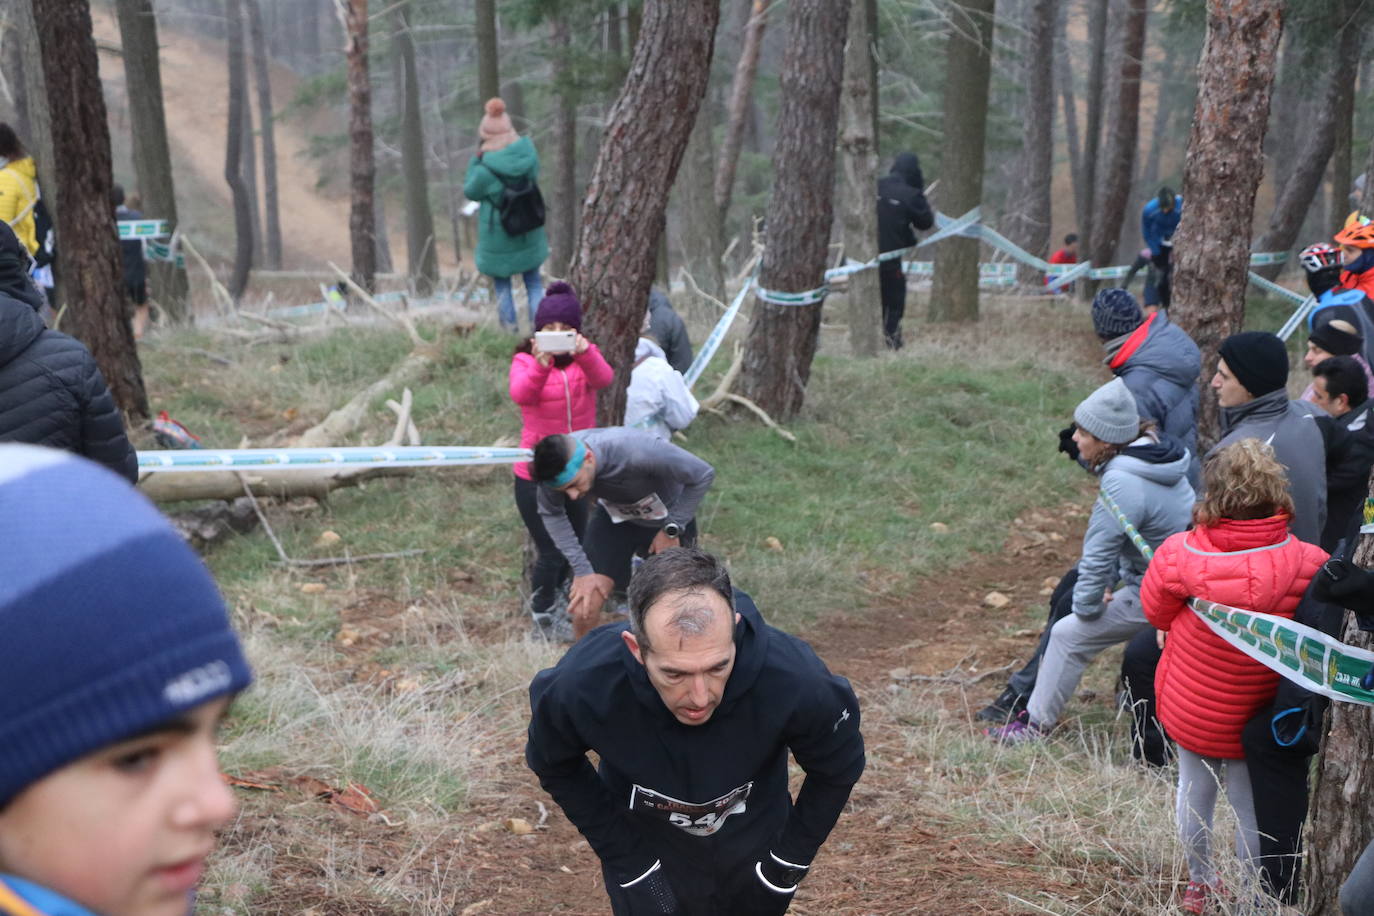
555 341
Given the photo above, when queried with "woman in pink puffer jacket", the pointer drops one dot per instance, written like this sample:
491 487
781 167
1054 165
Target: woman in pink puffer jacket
1239 553
556 394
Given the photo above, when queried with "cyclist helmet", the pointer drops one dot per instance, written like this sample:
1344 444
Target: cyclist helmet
1320 257
1358 232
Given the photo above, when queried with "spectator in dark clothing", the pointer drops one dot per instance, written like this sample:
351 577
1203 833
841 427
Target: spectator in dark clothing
667 327
51 392
902 209
1341 389
135 270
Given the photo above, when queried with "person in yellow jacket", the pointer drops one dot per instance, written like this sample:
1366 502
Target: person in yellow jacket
18 187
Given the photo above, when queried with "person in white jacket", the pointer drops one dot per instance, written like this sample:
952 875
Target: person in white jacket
658 400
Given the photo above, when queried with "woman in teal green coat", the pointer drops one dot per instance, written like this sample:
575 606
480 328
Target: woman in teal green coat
504 154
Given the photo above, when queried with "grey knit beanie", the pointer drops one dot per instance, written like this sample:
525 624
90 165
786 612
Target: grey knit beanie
1109 413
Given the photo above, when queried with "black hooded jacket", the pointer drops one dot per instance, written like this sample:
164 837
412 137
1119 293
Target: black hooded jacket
706 800
52 394
902 204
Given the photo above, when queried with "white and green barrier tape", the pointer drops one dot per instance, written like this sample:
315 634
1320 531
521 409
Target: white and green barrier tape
1303 655
313 459
143 228
717 336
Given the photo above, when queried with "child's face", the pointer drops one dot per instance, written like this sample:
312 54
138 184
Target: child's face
125 831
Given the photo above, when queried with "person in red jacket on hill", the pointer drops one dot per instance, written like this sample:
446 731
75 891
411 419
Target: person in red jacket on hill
1239 553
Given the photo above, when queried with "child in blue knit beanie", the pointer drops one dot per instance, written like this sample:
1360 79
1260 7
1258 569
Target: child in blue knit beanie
118 664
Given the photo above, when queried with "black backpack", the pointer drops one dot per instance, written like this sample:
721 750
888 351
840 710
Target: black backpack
521 205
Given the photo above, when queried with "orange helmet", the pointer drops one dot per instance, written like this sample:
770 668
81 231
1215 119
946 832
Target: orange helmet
1358 232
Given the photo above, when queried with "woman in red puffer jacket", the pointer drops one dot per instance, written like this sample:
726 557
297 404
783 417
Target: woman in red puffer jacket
556 394
1239 553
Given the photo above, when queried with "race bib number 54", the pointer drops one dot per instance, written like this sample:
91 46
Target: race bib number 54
701 819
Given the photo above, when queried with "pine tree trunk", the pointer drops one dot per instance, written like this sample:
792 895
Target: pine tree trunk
623 217
488 54
362 224
1123 140
250 154
233 151
1092 134
782 338
954 287
562 229
152 156
380 232
1342 164
1342 819
695 203
271 212
12 67
859 177
1030 227
741 90
1223 169
1309 164
40 142
92 277
1149 173
1064 77
421 255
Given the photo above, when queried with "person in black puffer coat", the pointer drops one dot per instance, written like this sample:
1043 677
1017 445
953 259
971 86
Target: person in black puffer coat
902 208
51 392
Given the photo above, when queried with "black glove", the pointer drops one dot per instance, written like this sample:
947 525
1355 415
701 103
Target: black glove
651 895
768 888
1341 582
1066 443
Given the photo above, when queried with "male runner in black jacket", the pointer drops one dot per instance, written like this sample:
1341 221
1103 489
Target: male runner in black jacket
692 708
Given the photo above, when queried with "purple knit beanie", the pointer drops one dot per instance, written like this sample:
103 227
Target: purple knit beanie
559 304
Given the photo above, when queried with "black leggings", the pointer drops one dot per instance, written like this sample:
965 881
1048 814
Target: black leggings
892 288
550 566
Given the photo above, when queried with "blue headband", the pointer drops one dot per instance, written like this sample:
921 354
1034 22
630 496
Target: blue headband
570 469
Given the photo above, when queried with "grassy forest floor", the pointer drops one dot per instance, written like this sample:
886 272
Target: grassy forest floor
408 676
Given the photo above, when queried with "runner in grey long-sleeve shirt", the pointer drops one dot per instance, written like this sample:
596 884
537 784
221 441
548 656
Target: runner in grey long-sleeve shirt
646 491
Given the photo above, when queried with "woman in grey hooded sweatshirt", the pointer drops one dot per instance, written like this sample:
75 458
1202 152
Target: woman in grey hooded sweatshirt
1145 475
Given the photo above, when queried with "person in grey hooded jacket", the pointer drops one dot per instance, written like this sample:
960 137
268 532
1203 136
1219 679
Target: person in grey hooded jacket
1145 473
646 493
1251 385
1158 361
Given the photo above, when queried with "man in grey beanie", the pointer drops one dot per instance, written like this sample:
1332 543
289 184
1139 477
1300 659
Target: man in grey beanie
1145 474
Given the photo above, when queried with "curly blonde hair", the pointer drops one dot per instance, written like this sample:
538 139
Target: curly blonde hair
1243 480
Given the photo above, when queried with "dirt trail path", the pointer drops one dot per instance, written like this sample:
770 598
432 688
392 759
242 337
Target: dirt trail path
885 856
196 97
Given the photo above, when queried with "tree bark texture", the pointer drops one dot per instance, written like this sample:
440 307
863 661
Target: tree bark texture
1342 164
1308 166
1092 134
92 277
954 287
362 230
737 110
233 152
1341 824
782 338
623 213
40 142
1224 165
152 155
1120 152
421 254
271 211
859 177
488 52
562 224
12 67
249 152
1064 77
1030 225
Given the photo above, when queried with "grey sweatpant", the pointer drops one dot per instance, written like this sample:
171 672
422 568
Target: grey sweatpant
1198 781
1357 894
1074 642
